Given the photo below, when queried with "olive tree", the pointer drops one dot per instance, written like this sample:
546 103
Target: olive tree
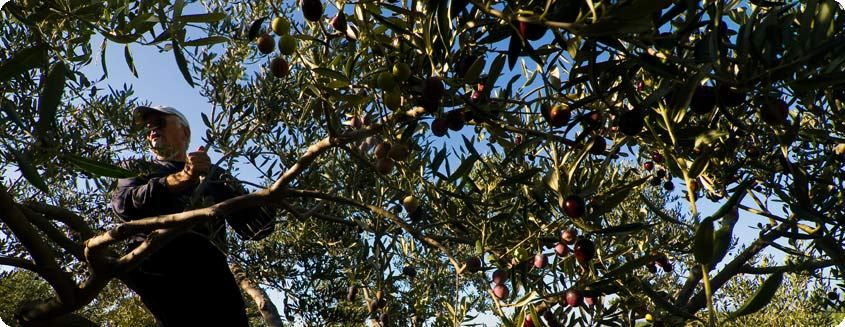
429 158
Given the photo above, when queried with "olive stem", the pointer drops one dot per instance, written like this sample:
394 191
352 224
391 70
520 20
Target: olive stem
717 22
665 114
709 295
690 193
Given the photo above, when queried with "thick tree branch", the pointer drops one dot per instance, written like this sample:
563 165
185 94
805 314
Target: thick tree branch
804 266
125 230
321 146
67 217
44 313
92 286
180 220
56 310
53 233
18 262
262 300
41 253
154 241
571 27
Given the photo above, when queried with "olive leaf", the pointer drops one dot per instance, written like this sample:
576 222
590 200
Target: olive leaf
514 49
206 41
98 168
703 246
48 101
8 108
255 28
22 61
182 63
762 297
127 54
29 171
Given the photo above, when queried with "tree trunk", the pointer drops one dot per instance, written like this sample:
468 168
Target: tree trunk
262 301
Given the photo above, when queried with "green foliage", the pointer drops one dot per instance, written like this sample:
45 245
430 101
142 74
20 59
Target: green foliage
115 306
726 98
18 287
799 302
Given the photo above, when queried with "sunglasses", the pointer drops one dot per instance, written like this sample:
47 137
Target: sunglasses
159 123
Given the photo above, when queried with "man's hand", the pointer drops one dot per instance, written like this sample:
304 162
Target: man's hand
198 164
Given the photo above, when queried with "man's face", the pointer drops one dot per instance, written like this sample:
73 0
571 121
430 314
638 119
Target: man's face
167 137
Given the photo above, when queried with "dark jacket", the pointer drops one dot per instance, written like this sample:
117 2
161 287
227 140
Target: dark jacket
188 281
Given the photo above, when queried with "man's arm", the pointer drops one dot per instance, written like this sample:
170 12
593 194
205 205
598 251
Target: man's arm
250 224
137 198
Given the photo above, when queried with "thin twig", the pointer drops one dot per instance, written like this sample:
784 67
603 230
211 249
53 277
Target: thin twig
382 212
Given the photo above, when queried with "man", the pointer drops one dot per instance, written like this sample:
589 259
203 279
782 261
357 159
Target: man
187 282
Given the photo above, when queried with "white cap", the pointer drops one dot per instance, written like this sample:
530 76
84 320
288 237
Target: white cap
141 111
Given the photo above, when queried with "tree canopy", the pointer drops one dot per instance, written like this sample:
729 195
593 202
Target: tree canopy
430 161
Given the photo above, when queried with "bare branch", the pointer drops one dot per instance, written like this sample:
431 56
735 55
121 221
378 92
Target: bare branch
311 212
354 222
660 214
176 220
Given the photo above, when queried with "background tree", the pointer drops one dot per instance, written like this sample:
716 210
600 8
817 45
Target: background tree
612 105
800 295
115 305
